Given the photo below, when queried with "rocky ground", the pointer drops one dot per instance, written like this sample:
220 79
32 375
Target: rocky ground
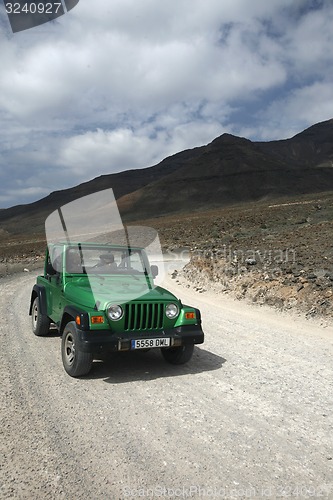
280 253
250 416
20 253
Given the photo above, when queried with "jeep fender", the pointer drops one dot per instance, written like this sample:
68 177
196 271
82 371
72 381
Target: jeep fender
40 292
197 314
70 313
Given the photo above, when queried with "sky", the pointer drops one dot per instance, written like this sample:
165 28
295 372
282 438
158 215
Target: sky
117 85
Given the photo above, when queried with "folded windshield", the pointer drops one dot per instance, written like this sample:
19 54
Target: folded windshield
87 237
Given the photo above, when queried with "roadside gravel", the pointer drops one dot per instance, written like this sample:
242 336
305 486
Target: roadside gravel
249 417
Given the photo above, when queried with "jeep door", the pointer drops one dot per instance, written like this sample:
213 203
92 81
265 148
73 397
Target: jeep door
56 286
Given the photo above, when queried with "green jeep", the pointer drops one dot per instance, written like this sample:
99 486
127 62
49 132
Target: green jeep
102 298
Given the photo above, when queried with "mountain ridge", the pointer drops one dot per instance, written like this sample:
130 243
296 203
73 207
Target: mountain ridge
228 170
232 169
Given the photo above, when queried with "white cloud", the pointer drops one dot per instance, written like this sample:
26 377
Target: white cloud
302 107
309 45
122 84
23 192
123 149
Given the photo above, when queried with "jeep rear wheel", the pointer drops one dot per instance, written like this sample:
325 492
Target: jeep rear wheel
40 322
178 355
76 362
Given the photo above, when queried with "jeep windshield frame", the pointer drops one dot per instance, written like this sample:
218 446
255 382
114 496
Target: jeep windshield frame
105 260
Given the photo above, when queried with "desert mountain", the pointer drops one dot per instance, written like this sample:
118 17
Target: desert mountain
228 170
233 169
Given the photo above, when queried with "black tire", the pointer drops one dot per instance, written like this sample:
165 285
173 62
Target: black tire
76 362
178 355
40 322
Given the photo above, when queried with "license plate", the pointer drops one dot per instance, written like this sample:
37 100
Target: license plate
148 343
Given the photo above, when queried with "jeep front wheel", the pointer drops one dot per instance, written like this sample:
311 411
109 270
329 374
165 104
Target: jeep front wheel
76 362
178 355
40 322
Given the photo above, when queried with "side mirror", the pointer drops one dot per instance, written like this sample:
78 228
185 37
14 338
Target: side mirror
50 269
154 271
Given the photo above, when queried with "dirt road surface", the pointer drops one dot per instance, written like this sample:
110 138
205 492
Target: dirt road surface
249 417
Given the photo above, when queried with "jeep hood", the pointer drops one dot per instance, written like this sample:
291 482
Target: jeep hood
104 293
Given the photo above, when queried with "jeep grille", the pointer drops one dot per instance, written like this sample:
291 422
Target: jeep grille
143 316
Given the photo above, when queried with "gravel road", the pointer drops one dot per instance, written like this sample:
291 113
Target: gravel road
249 417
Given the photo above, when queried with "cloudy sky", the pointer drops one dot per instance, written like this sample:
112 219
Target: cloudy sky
121 84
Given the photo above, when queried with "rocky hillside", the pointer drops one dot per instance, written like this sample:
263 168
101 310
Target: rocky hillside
233 169
279 254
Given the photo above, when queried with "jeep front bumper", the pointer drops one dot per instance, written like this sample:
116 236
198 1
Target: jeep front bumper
103 341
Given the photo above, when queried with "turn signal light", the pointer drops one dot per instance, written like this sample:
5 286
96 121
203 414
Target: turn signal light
190 315
97 320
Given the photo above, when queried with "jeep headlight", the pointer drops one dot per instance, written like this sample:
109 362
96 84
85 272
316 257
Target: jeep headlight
171 311
115 312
